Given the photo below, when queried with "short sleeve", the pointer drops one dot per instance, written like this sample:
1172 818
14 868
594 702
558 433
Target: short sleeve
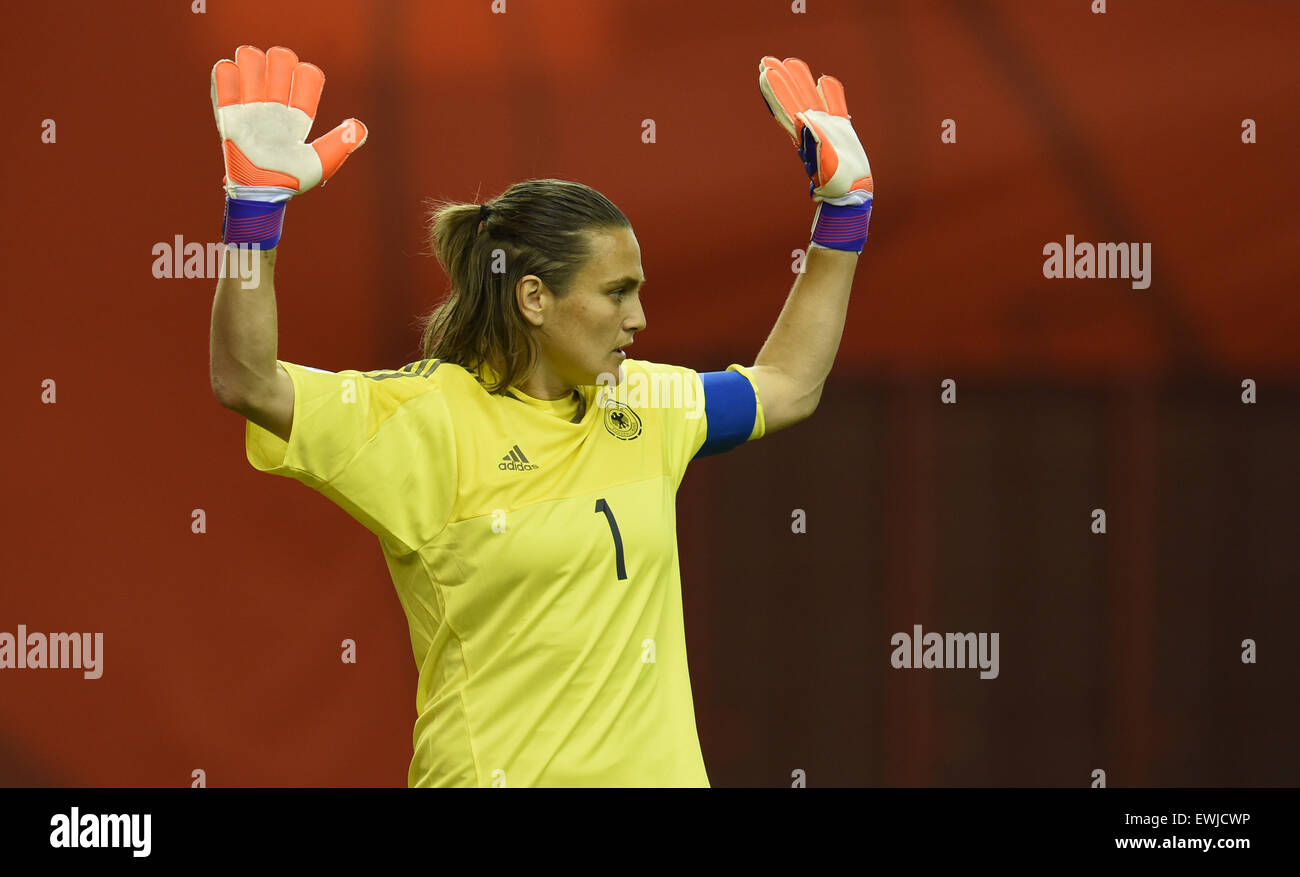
696 414
379 444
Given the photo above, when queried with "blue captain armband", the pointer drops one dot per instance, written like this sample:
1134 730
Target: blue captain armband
730 409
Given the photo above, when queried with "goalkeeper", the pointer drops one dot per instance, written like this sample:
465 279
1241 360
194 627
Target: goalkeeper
526 511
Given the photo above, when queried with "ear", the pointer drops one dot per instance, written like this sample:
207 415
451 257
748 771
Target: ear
531 295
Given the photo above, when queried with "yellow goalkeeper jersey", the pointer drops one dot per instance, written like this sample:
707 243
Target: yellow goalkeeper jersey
533 546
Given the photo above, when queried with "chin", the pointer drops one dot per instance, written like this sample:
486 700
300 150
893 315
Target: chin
611 375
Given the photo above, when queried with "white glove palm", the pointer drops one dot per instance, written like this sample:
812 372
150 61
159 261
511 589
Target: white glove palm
265 105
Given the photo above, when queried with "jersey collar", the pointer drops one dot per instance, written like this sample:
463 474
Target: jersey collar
572 408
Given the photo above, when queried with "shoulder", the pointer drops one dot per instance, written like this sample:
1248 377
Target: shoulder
641 378
387 388
670 390
639 367
649 366
425 370
423 376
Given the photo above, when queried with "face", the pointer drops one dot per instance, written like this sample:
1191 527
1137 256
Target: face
584 334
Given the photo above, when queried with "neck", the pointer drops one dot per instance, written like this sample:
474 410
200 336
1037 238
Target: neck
544 387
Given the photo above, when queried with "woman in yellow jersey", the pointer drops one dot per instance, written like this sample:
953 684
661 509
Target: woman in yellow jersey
521 477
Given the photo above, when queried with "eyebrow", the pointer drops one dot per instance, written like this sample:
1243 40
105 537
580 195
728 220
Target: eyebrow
623 281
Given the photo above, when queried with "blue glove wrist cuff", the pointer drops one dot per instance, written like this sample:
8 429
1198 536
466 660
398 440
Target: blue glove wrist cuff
841 228
253 222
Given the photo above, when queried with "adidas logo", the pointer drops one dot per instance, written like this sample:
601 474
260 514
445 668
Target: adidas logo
515 461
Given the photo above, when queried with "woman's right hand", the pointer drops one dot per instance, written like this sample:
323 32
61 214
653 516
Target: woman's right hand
265 104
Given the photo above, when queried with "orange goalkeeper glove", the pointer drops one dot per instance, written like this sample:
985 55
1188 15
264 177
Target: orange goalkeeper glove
816 117
265 104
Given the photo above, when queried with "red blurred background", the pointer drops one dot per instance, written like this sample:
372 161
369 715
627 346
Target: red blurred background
1119 652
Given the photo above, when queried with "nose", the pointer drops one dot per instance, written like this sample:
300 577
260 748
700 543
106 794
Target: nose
635 321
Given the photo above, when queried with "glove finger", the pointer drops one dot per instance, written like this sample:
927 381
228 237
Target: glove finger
791 99
308 81
252 74
832 92
335 146
781 98
802 80
225 83
279 73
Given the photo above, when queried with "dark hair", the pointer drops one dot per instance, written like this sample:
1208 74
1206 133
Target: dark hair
535 227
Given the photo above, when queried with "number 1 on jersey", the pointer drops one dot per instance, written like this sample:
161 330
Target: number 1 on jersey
602 506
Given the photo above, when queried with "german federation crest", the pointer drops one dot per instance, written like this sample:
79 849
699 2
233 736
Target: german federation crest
621 421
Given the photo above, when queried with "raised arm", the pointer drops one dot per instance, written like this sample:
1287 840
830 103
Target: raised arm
245 375
265 103
791 369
